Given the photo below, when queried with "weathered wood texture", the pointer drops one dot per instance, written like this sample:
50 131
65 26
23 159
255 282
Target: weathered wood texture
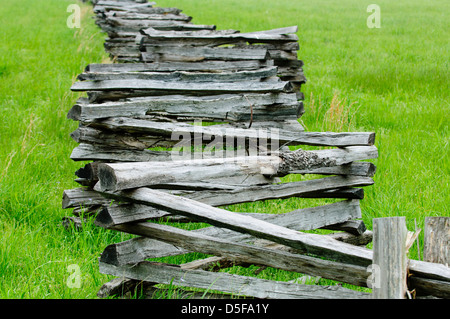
157 87
267 74
306 189
82 198
437 240
424 287
118 176
125 288
202 66
389 258
97 152
140 133
140 248
220 37
233 284
248 253
328 216
218 134
226 108
310 243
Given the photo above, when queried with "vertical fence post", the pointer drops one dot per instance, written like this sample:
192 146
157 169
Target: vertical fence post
437 240
389 257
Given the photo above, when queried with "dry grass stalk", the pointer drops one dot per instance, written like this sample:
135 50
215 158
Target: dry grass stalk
338 117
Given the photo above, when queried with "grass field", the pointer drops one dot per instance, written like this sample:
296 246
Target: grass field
392 80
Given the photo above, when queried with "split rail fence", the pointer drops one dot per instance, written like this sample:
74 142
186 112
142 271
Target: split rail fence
149 164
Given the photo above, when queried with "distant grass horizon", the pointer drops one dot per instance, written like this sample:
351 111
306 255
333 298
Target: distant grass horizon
391 80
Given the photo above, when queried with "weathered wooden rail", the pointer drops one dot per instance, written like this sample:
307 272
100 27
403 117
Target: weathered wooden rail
149 166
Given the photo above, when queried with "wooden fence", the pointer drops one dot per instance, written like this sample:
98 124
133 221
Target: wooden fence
150 165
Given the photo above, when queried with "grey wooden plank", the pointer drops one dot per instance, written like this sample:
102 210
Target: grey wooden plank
275 47
182 86
205 188
262 36
310 243
234 284
355 227
89 135
288 46
131 51
84 152
140 248
116 176
160 13
344 139
90 173
429 287
101 6
306 189
437 240
178 66
292 125
127 4
195 54
245 253
424 269
284 30
145 19
266 74
302 219
356 168
144 13
389 268
236 107
426 276
82 197
113 26
151 21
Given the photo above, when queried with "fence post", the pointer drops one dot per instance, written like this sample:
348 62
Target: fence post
389 257
437 240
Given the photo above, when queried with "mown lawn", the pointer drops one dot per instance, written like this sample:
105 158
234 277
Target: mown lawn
393 80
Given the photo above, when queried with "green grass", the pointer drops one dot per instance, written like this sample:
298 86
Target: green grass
392 80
